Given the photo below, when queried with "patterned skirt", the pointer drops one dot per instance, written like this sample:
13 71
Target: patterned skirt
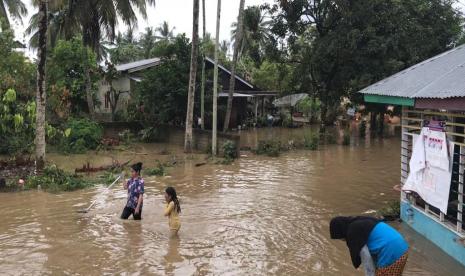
395 269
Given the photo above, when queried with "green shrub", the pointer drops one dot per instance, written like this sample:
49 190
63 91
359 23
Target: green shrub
126 136
55 180
286 120
229 150
159 170
262 121
363 128
391 211
331 139
149 135
83 135
346 139
271 148
17 124
311 141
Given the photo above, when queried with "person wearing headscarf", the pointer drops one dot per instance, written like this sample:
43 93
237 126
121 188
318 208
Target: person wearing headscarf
387 249
135 188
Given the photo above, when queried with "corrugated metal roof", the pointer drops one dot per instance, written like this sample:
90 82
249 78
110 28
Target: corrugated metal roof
212 61
138 65
440 77
235 95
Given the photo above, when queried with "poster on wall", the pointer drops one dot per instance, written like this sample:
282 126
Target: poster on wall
431 168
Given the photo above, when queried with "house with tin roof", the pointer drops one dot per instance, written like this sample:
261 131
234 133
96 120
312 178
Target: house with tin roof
432 96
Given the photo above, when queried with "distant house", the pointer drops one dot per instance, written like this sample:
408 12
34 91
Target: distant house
245 95
131 73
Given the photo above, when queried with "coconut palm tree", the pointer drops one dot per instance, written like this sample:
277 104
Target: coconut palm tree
215 81
257 33
224 47
188 140
232 80
202 89
164 31
147 41
16 9
41 94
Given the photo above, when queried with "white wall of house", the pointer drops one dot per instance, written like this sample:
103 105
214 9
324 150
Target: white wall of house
121 84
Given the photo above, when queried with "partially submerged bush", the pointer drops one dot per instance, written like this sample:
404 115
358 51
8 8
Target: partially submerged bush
54 179
311 141
159 170
229 150
331 138
391 211
126 136
363 128
270 148
150 134
81 135
346 138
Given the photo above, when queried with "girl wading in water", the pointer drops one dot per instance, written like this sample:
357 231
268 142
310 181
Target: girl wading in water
172 210
379 247
135 187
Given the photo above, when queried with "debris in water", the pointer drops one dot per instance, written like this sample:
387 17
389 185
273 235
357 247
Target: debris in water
371 211
87 168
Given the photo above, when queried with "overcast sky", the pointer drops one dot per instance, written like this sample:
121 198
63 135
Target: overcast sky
178 13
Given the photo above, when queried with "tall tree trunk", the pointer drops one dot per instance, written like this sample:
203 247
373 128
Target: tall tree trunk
193 72
89 97
232 80
41 93
215 82
202 91
323 111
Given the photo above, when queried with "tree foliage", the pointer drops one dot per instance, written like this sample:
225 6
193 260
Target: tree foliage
16 71
67 77
164 88
339 46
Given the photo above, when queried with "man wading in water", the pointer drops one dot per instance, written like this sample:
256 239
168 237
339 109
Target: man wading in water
135 187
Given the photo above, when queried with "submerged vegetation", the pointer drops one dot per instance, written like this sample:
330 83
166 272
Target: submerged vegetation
391 211
54 179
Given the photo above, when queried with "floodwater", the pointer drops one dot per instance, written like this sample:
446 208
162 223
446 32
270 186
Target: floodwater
258 216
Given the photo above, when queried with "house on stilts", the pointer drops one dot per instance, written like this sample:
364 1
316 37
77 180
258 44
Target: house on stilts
432 154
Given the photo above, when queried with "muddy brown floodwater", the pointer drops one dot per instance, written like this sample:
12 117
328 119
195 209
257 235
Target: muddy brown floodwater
258 216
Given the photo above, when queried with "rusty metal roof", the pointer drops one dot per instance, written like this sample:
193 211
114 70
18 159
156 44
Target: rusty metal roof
439 77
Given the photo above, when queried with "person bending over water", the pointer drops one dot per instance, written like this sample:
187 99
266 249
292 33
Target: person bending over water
379 247
172 210
135 187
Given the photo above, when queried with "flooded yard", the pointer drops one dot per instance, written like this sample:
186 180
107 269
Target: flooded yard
257 216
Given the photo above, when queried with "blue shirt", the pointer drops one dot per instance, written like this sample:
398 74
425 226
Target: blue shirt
135 188
386 245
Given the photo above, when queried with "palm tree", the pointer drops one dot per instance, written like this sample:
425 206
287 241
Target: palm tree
147 41
257 33
16 9
224 47
41 94
164 31
202 89
232 80
215 81
193 71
